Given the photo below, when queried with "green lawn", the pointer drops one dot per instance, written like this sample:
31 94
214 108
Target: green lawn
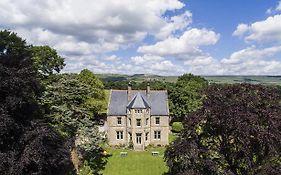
135 163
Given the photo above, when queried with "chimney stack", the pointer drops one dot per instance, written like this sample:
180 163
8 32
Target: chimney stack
148 89
129 86
129 91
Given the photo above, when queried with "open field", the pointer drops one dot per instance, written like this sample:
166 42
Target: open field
135 163
265 80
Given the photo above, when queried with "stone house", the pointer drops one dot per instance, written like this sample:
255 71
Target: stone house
138 117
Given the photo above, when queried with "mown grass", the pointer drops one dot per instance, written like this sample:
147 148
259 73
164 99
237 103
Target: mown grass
135 163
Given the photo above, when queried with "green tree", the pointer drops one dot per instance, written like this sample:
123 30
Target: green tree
96 102
70 113
65 101
185 96
237 131
14 51
46 60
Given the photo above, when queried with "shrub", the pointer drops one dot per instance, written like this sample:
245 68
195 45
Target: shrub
177 127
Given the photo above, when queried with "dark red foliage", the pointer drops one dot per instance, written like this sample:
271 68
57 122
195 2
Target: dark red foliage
38 151
27 145
238 131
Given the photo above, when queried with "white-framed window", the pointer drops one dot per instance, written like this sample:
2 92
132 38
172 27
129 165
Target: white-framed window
157 120
157 135
119 120
119 135
146 121
146 136
138 122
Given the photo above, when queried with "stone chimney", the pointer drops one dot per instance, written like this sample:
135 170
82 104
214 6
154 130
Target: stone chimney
129 90
147 89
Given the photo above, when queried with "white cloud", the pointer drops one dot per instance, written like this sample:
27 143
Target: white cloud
188 43
241 30
265 31
200 61
146 59
155 65
251 53
113 58
91 20
253 61
85 31
174 24
254 67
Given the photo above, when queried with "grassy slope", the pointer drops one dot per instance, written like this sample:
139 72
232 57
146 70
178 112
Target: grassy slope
135 163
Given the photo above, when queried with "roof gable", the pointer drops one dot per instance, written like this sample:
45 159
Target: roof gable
138 101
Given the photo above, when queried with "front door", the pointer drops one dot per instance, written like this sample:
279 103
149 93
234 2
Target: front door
138 137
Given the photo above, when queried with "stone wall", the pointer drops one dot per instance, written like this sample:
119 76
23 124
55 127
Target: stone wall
113 127
163 127
151 126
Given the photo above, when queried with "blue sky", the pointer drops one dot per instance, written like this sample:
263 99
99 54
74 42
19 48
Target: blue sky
224 16
165 37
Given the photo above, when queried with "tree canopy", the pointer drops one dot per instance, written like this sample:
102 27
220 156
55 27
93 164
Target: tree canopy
28 145
46 60
238 131
185 96
74 102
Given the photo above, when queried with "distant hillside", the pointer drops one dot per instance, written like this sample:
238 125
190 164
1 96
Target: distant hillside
266 80
136 77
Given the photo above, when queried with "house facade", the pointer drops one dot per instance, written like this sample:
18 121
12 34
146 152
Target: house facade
138 117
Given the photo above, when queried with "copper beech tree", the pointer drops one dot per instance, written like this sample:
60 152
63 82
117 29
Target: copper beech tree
237 132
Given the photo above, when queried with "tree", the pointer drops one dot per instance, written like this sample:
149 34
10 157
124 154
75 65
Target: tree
72 115
185 96
46 60
14 52
96 102
238 131
65 101
28 145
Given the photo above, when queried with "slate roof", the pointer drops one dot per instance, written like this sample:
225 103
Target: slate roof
120 101
138 102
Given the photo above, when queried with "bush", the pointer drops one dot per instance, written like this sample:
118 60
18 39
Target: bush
177 127
86 169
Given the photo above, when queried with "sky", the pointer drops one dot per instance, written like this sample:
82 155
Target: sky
163 37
